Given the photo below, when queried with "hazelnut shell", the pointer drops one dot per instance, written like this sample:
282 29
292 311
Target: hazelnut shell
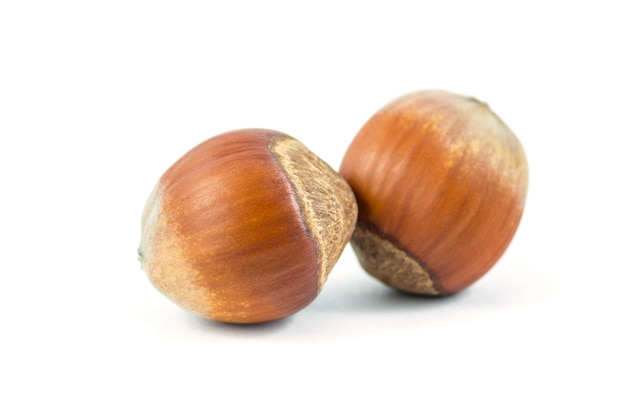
245 227
441 184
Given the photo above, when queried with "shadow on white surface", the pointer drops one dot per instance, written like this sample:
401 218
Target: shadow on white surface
374 298
348 308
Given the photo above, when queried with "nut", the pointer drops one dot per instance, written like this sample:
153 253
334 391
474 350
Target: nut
245 227
441 185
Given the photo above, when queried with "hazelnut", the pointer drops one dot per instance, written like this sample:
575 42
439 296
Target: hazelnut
245 227
441 184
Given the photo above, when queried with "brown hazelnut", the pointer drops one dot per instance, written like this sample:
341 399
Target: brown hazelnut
441 184
245 227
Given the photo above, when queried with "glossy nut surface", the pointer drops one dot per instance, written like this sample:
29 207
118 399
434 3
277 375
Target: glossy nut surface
441 185
245 227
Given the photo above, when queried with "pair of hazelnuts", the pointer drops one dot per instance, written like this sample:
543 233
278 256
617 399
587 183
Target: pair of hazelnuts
246 227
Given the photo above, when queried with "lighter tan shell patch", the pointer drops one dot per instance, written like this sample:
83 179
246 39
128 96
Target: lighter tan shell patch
390 264
325 199
162 256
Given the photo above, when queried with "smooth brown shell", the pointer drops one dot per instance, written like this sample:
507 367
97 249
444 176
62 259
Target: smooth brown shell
227 232
441 184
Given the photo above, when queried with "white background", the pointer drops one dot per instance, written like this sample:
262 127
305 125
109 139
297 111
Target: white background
97 99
